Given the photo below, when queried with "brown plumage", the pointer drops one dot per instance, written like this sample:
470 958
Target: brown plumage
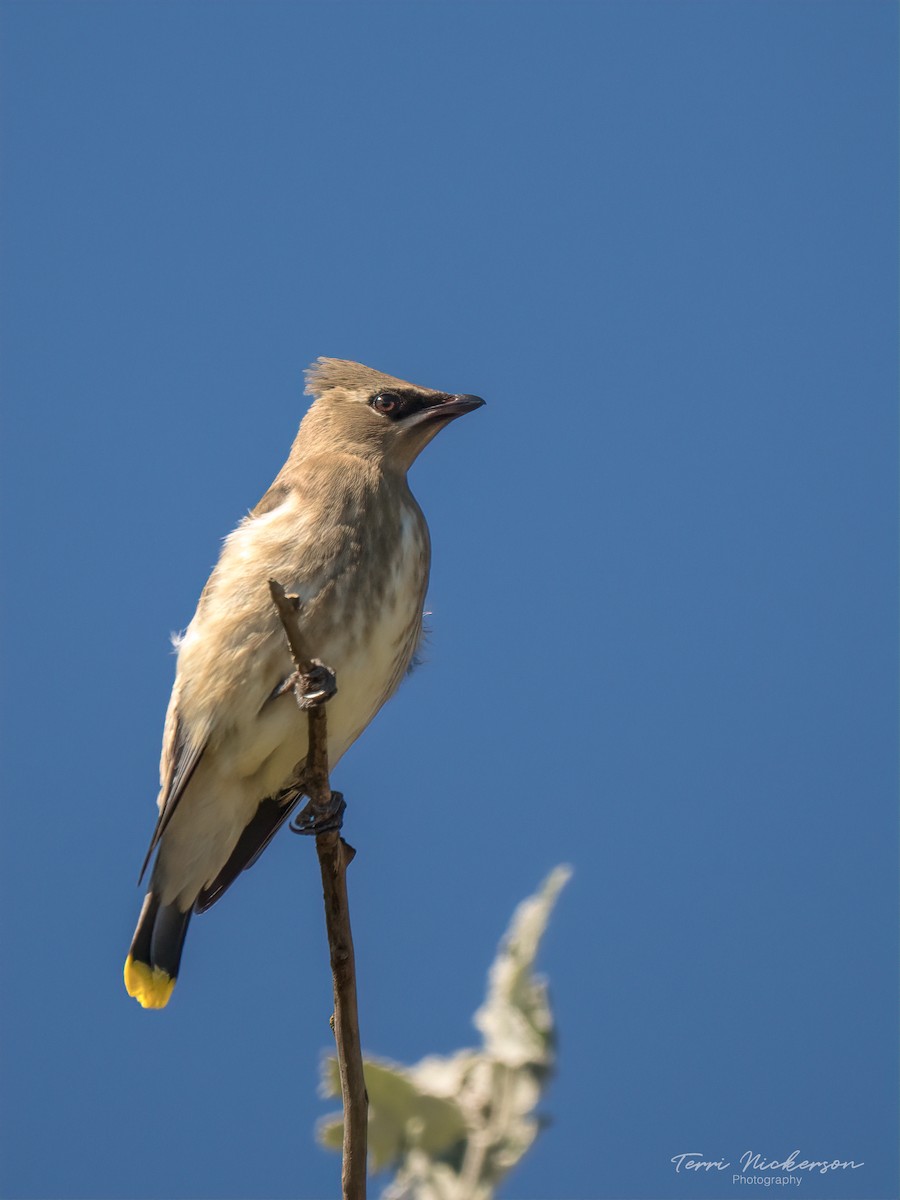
340 527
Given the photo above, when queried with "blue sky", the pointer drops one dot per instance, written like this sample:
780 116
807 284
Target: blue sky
660 240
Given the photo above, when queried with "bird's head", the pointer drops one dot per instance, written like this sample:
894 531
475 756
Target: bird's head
358 409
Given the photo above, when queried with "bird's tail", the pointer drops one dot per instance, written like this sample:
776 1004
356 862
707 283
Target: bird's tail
152 963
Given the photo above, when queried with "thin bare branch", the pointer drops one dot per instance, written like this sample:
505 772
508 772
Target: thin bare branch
334 858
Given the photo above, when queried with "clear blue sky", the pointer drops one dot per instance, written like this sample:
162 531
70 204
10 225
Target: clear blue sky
660 239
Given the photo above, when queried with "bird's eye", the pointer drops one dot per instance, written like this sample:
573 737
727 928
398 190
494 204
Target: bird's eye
386 402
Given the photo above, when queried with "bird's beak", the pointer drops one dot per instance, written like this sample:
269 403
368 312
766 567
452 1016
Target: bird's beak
455 406
446 408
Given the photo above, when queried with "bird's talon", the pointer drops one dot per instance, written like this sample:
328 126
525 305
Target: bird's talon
316 687
285 686
312 820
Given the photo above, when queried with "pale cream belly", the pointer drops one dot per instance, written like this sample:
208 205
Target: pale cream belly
365 678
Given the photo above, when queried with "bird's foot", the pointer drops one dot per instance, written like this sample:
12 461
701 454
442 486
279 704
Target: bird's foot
312 689
313 819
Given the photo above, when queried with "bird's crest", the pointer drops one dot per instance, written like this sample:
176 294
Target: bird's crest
326 373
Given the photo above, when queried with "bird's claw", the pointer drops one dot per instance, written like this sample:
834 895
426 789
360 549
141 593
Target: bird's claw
312 819
312 689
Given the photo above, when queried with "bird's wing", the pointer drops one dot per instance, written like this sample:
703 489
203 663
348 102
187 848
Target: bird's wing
265 823
180 757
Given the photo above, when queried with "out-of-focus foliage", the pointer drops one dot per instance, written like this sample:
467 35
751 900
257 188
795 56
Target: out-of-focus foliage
451 1128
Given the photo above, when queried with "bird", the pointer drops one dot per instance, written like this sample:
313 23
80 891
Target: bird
340 528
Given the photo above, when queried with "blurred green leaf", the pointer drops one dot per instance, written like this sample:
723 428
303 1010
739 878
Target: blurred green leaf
515 1019
402 1113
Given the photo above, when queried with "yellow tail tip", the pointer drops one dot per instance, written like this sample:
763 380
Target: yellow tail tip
150 986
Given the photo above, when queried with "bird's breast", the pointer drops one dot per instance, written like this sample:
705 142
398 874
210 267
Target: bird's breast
375 628
364 624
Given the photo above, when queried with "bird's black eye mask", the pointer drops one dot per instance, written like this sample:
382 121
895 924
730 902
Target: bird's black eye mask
396 405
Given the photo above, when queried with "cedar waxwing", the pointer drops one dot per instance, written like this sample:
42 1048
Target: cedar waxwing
341 529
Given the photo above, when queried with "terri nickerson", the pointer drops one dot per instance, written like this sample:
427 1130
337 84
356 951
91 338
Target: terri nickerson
758 1162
